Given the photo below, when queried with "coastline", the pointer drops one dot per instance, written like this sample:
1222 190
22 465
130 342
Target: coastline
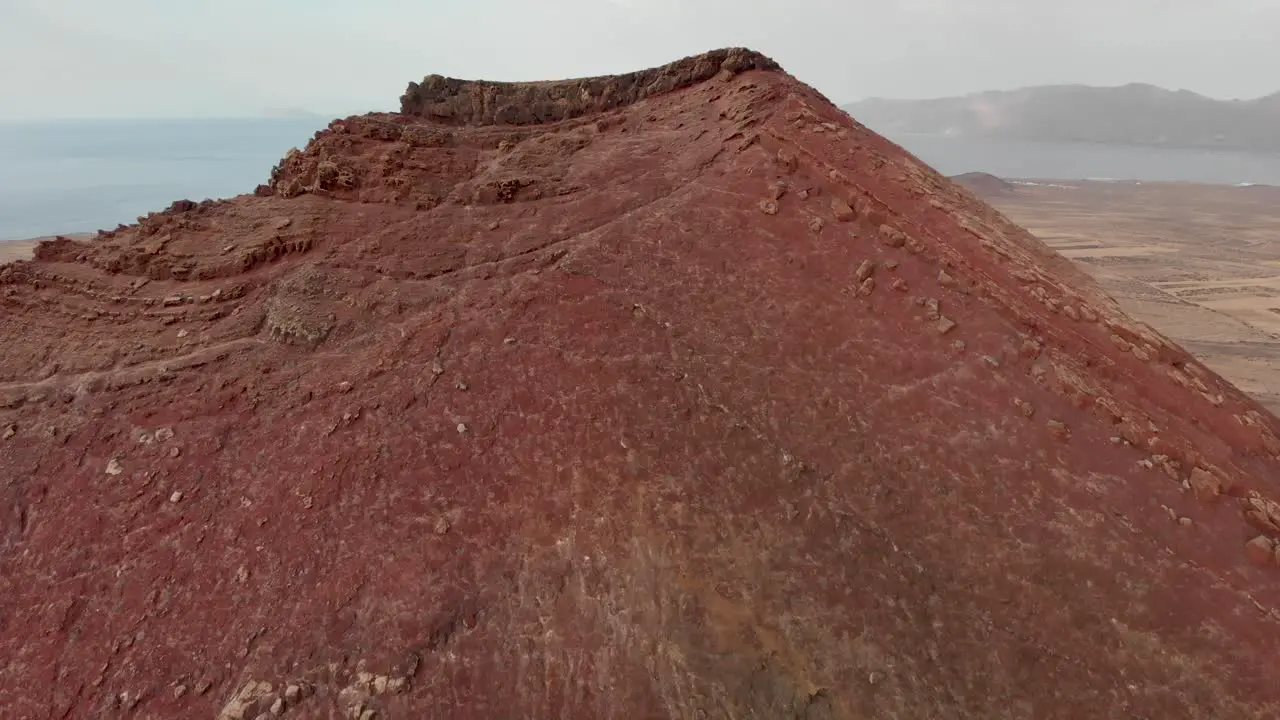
1029 159
1080 182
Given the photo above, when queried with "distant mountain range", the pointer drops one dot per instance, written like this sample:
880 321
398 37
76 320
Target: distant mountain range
1134 114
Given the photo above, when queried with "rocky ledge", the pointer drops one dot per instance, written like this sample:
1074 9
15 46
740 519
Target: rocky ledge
476 102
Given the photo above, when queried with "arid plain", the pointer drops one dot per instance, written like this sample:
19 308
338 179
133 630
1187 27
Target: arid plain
16 250
1200 263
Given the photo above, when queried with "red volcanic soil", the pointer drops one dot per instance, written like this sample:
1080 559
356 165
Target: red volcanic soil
673 394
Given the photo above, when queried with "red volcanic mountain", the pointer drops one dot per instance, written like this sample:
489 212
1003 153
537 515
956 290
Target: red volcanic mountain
671 394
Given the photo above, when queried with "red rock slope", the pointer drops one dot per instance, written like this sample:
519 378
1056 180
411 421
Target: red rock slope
677 394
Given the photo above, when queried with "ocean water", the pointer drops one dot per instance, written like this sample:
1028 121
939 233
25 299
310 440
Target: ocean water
1090 161
81 176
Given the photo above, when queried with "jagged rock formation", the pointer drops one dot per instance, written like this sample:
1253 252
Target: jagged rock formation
697 403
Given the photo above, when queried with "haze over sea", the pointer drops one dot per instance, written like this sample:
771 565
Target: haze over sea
1091 161
81 176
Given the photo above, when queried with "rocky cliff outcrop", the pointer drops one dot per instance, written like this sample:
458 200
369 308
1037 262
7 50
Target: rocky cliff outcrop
697 401
471 102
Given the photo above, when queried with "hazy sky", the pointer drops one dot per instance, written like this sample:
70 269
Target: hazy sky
138 58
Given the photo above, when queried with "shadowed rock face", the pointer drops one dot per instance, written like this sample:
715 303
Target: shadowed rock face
708 404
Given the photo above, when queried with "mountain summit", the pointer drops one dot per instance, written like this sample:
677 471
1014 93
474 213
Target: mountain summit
671 394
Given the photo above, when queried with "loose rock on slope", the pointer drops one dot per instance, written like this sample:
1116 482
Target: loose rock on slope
516 404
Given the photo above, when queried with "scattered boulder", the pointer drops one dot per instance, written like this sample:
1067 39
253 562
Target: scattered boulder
1260 550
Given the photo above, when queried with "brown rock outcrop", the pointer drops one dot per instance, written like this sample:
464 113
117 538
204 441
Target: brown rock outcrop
591 400
472 102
